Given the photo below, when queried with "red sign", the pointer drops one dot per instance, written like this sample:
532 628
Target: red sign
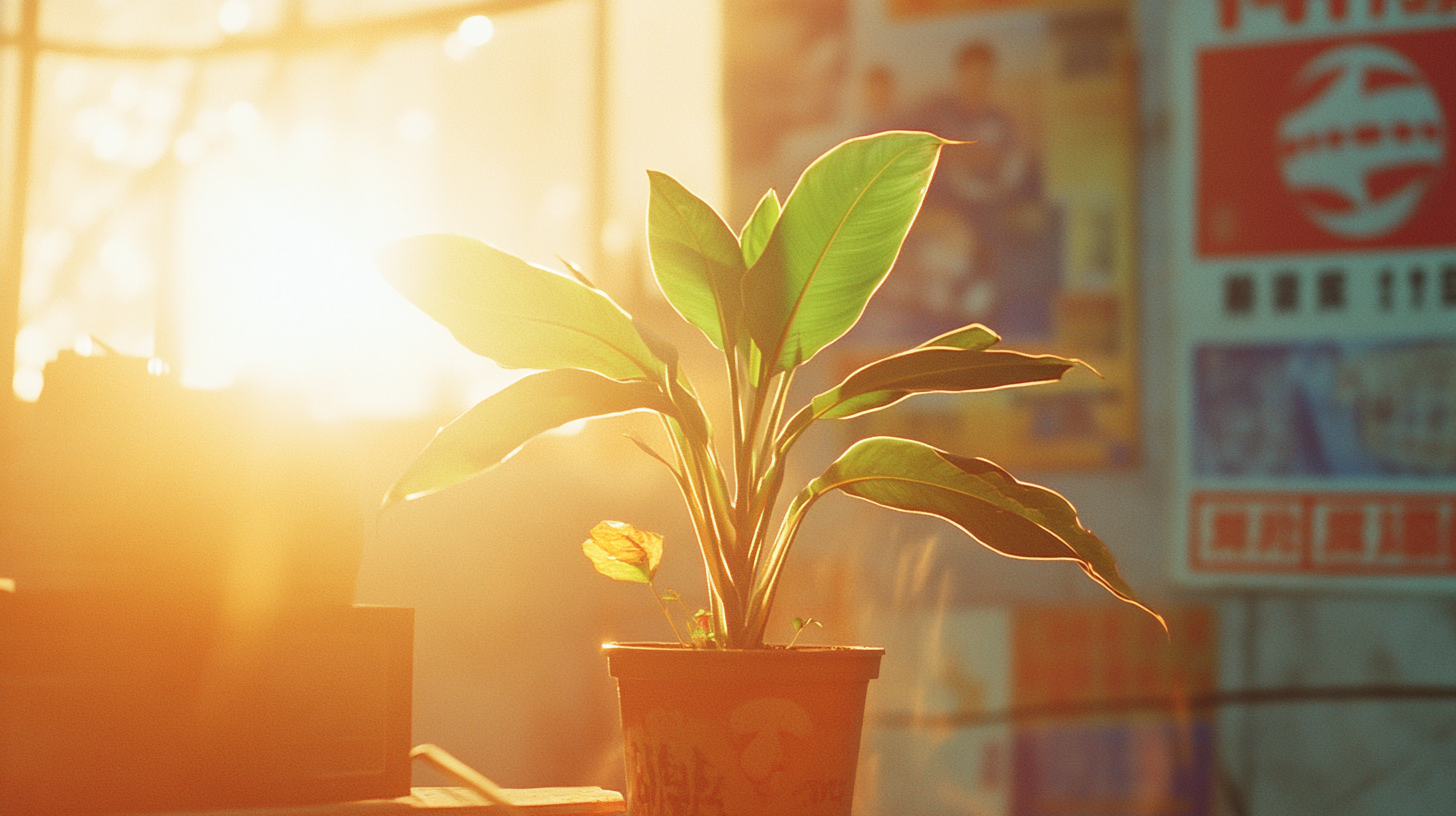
1323 534
1327 145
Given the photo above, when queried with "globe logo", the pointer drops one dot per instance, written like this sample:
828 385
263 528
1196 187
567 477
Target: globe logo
1363 141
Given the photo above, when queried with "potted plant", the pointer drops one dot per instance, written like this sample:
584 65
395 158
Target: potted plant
730 724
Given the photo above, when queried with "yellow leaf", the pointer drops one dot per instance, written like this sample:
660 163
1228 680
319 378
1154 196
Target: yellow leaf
619 550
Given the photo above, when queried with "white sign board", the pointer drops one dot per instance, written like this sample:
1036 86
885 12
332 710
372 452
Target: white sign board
1315 230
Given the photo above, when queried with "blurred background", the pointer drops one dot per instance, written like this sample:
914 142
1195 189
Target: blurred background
1239 212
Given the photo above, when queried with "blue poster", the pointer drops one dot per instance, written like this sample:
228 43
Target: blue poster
1113 769
1325 409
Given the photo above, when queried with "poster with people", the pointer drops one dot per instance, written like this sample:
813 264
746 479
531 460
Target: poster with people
1029 228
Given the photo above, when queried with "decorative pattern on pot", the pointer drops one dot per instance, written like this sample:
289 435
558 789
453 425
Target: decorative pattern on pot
732 739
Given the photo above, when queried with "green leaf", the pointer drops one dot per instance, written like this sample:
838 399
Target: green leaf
925 370
759 227
974 337
840 231
517 314
696 259
620 551
500 424
1012 517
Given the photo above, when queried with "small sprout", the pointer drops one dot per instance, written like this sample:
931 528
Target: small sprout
619 550
700 629
800 624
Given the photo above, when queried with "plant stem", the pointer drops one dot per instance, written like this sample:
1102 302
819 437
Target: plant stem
716 569
769 477
800 630
776 412
760 601
663 606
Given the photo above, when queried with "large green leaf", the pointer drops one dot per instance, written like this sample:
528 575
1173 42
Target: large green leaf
500 424
517 314
840 231
759 227
1012 517
696 259
936 369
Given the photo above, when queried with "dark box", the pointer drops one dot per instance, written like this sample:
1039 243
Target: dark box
114 704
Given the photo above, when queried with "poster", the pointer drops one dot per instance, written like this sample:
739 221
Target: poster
1031 230
1316 293
1137 761
939 740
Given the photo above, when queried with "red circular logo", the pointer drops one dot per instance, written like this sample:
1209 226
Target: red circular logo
1363 140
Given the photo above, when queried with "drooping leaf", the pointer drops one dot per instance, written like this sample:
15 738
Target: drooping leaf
696 259
974 337
500 424
650 451
517 314
620 551
1012 517
925 370
759 227
839 233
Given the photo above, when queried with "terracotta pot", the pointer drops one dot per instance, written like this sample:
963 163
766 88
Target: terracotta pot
764 732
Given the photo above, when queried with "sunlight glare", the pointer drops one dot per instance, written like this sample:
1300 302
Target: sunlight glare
211 122
86 122
160 105
110 142
243 118
33 347
188 148
125 93
311 143
234 16
416 126
456 48
283 294
476 30
28 383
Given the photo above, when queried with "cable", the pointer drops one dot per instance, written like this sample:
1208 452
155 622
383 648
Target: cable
1203 702
442 759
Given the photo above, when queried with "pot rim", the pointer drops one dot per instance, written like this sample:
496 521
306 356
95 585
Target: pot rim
668 646
798 665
